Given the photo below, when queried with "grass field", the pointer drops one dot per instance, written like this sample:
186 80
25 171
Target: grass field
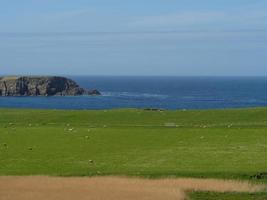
228 196
228 144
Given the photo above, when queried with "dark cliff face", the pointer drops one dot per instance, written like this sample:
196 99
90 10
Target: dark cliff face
41 86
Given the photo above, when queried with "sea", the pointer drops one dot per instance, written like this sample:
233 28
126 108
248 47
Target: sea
170 93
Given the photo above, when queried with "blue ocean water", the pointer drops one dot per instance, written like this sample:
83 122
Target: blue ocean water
155 92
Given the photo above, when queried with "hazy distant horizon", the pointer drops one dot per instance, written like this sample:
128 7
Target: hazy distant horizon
149 76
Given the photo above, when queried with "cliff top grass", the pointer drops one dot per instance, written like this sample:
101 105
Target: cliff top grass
12 78
7 78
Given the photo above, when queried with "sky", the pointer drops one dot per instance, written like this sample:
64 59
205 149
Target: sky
133 37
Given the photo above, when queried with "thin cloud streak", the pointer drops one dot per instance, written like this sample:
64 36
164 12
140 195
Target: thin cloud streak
99 33
203 20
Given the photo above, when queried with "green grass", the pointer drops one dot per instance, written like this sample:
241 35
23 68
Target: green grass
229 144
227 196
224 143
140 151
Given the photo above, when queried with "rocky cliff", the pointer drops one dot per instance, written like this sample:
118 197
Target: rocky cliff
41 86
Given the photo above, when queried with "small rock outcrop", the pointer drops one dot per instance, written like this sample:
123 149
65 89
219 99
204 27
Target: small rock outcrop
41 86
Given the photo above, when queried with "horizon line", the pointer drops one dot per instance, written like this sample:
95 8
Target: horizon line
182 76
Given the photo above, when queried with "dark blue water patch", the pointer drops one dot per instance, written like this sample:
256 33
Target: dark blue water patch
155 92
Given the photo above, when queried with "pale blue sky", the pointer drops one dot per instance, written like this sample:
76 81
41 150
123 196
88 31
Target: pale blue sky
134 37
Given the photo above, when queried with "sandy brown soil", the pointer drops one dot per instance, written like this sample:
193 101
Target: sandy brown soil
111 188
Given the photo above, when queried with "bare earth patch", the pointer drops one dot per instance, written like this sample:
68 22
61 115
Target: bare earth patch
112 188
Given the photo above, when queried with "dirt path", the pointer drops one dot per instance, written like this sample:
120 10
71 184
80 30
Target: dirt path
111 188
